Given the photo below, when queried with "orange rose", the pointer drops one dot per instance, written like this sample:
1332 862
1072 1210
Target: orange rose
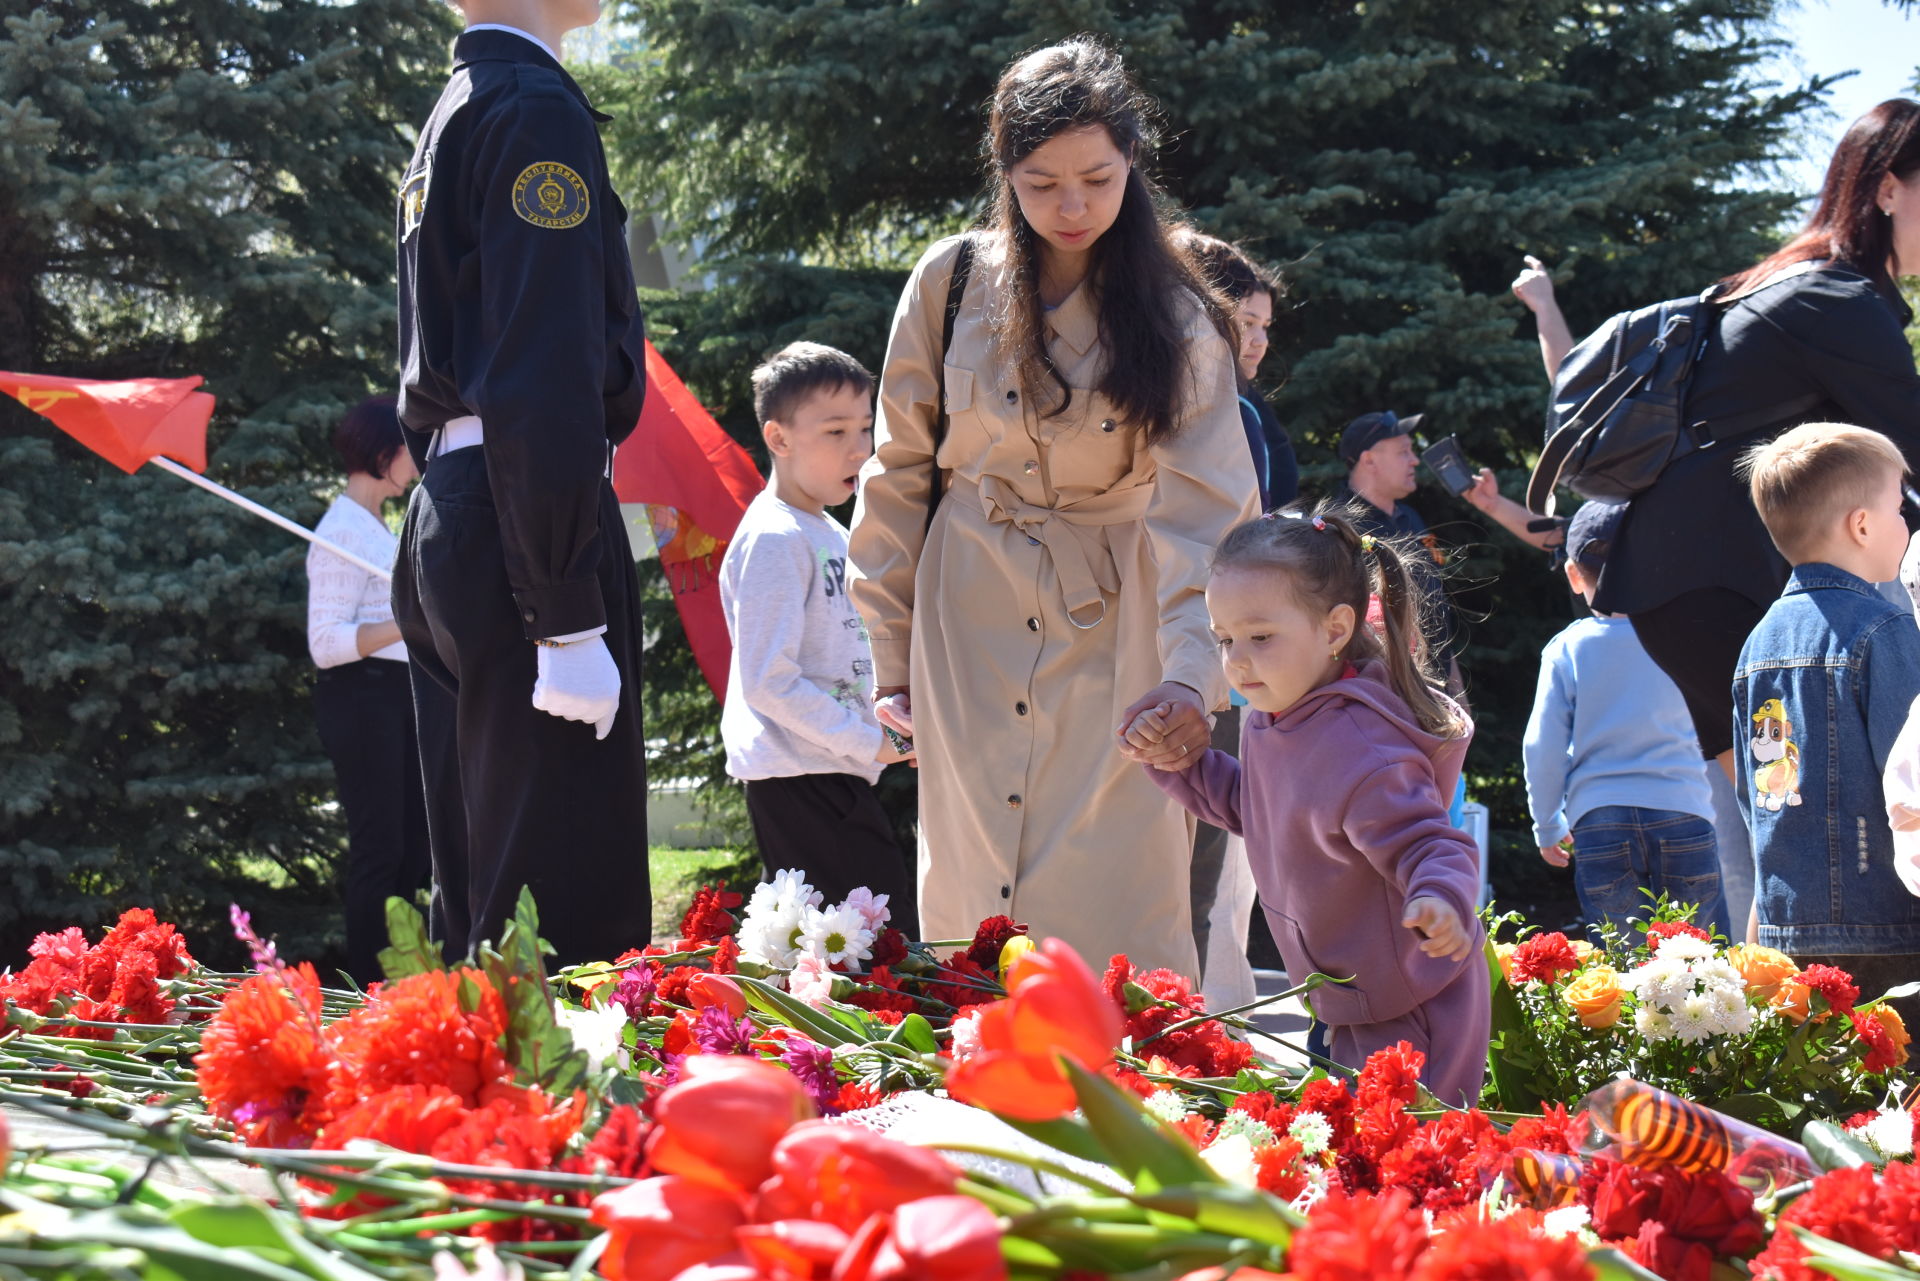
1764 970
1504 952
1595 997
1889 1018
1790 1000
1583 950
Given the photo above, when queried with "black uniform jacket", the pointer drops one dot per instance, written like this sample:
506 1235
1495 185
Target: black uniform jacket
1831 332
517 305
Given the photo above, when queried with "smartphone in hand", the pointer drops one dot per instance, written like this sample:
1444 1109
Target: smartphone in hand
1449 463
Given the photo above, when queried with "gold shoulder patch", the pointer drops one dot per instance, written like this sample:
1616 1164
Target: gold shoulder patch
550 195
413 196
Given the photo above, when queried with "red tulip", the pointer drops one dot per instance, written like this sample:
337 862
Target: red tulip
843 1174
793 1249
719 1123
941 1238
718 989
658 1227
1055 1009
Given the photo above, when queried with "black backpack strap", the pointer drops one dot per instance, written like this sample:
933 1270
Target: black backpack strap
956 289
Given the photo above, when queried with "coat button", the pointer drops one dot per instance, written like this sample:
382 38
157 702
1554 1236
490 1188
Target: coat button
527 614
1013 802
1108 425
1013 397
1006 891
1033 467
1020 709
1033 624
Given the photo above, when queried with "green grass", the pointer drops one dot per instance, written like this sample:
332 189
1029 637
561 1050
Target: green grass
678 873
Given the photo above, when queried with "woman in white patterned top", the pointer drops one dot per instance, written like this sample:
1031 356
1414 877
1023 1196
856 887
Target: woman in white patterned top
362 698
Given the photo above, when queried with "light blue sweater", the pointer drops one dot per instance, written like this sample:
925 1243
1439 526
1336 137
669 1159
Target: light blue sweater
1608 728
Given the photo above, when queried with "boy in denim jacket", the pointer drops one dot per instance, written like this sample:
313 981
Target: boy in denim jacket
1819 698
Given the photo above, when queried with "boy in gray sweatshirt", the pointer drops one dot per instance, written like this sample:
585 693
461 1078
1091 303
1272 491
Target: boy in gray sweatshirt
798 723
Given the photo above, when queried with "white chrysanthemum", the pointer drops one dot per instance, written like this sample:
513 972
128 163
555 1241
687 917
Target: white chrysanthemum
1735 1015
1312 1131
1258 1133
1891 1133
1232 1159
1683 947
1652 1024
1720 973
837 935
1166 1105
1566 1221
788 886
1693 1020
597 1032
772 936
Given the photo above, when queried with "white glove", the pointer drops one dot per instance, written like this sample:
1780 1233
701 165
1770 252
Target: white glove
578 682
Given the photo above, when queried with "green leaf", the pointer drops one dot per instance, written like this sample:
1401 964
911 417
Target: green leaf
1832 1148
1137 1144
410 951
1514 1045
537 1047
1762 1110
253 1226
1845 1263
916 1033
1893 994
1071 1137
762 995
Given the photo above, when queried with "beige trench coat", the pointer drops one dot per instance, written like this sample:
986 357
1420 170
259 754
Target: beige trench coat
1063 578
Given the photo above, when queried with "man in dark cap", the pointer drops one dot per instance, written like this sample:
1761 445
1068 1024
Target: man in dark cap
522 365
1382 470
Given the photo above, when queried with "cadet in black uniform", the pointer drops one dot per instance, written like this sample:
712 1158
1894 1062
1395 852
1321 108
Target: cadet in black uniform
522 366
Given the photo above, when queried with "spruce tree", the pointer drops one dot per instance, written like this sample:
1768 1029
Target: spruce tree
1396 159
193 187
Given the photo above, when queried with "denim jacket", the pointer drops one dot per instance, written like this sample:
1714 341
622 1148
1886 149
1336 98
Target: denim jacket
1822 691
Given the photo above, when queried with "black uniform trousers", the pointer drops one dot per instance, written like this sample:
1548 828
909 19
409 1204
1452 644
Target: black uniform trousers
364 712
516 797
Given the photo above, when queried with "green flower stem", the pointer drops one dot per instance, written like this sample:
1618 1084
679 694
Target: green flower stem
999 1200
1197 1019
98 1076
1038 1164
1090 1210
366 1228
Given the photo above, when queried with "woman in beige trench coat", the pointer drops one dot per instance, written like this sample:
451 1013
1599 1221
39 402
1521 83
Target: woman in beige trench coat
1093 457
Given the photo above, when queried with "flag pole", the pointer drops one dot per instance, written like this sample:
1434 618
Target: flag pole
267 514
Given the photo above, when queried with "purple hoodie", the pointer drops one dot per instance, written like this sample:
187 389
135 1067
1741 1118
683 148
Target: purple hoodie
1339 798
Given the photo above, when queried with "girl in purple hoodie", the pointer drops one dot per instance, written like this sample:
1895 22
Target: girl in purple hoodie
1346 757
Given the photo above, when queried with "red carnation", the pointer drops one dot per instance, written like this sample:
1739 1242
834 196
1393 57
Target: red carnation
1833 983
708 920
1674 929
1358 1238
1393 1074
990 938
1842 1206
888 949
1506 1249
1544 957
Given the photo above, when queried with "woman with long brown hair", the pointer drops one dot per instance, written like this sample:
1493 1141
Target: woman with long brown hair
1092 456
1815 331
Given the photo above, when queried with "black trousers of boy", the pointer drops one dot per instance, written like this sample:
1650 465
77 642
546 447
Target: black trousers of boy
517 797
364 712
831 827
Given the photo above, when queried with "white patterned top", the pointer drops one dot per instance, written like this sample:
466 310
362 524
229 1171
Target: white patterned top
340 596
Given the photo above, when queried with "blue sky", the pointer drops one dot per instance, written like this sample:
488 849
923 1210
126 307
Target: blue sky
1871 37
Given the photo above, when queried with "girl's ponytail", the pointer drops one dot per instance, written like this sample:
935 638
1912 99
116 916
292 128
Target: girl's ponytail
1410 667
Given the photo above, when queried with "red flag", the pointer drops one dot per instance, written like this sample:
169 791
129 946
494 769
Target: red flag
696 481
125 422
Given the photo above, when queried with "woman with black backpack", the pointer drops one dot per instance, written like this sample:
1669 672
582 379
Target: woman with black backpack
1817 330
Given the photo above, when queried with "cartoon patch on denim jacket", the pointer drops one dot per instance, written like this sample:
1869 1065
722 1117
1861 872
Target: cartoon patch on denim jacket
1776 774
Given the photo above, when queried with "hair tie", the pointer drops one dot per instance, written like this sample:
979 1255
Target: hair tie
1320 523
1366 542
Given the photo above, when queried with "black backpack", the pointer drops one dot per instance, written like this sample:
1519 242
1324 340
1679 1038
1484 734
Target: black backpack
1617 418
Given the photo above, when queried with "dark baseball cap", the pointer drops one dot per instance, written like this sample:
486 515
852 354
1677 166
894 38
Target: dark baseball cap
1590 532
1368 430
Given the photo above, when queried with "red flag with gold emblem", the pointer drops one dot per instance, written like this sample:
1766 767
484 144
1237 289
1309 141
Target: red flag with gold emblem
696 482
128 422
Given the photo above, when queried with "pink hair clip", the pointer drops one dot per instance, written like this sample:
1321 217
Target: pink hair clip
1320 523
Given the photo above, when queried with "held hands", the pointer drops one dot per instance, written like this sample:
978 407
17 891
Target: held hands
578 682
1166 728
1534 286
1446 934
893 708
1558 855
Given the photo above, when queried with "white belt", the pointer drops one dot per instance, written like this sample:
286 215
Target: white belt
465 433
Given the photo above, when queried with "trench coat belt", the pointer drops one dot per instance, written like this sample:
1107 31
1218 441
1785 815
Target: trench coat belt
1081 558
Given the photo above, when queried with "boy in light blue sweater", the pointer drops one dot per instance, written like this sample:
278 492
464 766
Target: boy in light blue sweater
1614 775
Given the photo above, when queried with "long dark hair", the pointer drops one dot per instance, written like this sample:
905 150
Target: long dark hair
1235 277
1848 224
1329 562
1141 284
